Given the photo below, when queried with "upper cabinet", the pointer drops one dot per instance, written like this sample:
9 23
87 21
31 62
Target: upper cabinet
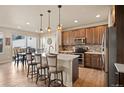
101 30
65 39
89 35
93 35
96 36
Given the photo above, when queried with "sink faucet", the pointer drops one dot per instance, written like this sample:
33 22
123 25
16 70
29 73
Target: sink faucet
50 48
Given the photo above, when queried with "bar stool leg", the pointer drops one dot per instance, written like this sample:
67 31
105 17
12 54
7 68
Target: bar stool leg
28 71
45 75
37 76
119 79
49 76
62 78
32 72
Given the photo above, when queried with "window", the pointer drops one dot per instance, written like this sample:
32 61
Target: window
1 42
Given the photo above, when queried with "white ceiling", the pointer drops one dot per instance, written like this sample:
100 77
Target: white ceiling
14 16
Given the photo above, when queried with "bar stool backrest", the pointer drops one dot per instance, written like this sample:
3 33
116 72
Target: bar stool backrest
29 57
52 61
38 58
28 50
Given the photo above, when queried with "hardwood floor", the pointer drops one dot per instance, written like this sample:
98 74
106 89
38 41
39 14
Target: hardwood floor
90 78
11 76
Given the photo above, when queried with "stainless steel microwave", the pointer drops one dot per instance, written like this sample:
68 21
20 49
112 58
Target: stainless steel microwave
79 41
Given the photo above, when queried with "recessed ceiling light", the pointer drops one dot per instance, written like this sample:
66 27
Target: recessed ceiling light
75 21
18 27
98 15
28 23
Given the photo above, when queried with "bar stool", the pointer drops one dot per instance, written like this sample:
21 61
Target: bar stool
31 63
55 70
42 68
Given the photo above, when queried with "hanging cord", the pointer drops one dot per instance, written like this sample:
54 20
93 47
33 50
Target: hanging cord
41 22
49 17
59 6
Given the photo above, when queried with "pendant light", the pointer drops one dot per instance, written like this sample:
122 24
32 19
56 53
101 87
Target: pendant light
49 28
59 28
41 30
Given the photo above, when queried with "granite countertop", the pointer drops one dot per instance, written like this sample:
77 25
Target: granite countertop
119 67
65 57
66 51
94 52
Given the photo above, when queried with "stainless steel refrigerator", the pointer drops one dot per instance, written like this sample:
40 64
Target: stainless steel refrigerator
110 55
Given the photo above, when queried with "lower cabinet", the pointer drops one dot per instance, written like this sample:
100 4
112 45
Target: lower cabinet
93 61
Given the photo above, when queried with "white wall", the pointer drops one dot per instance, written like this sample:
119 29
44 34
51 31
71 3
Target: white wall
44 44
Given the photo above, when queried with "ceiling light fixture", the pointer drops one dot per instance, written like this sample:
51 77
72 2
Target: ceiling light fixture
76 21
41 30
98 15
49 28
59 28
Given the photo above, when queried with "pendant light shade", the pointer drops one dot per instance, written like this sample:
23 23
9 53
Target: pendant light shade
59 28
49 28
41 30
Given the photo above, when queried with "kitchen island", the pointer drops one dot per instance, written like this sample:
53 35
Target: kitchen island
70 68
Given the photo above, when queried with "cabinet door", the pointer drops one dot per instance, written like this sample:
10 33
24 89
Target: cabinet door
96 36
101 29
81 33
65 38
87 60
74 35
89 35
95 60
70 36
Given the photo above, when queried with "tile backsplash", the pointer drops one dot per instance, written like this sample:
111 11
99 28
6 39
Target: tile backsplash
96 48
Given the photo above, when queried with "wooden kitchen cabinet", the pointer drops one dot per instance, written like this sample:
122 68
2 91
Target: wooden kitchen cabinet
101 30
71 39
68 38
89 35
93 35
87 60
96 36
92 61
81 33
65 38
